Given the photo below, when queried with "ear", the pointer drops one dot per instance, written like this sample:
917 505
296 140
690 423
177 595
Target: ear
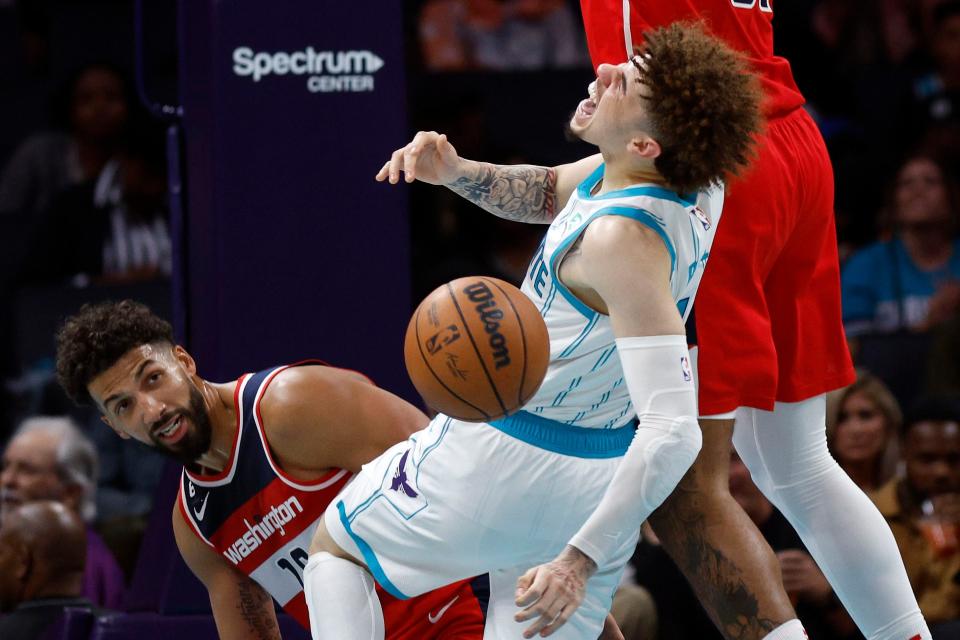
645 147
120 432
185 359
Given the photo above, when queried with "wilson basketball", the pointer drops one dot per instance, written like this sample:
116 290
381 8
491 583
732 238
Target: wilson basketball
477 349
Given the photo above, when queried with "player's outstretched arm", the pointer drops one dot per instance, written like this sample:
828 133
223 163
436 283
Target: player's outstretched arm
522 193
628 266
241 608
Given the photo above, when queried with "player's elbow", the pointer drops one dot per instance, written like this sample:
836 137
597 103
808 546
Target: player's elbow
689 440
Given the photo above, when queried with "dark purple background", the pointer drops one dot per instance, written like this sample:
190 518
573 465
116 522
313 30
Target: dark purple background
293 251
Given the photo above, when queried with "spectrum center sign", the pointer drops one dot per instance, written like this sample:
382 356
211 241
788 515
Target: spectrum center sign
326 71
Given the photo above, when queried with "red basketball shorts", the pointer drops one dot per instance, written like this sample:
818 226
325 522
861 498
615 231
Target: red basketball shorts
767 319
452 613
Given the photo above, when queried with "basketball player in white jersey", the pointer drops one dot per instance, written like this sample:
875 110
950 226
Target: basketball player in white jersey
613 427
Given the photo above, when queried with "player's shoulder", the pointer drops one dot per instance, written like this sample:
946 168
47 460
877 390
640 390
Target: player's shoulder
292 384
613 238
311 395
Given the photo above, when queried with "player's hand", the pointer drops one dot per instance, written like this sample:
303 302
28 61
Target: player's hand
552 592
429 157
802 577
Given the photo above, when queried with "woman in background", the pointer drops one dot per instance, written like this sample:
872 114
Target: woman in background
863 423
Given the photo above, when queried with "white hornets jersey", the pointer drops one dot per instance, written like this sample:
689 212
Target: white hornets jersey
584 384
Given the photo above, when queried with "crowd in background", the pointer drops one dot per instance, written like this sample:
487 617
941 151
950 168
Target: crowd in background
83 208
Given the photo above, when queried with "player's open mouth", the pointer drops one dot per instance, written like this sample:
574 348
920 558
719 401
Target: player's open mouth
587 107
585 110
173 431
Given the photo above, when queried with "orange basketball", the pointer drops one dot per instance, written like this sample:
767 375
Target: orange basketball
477 349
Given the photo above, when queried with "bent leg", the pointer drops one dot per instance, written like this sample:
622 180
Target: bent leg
731 567
786 452
341 599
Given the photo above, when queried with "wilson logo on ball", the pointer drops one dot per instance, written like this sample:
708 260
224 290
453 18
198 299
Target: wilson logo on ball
490 316
476 348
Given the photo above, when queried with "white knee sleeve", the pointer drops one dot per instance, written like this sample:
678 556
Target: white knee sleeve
657 372
786 452
342 600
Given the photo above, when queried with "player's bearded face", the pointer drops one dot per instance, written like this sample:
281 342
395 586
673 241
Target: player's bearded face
194 420
149 394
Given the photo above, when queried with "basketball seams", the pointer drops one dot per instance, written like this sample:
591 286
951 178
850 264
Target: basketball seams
483 364
523 341
426 362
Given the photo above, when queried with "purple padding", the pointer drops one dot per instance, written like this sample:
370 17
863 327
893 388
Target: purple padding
74 624
151 626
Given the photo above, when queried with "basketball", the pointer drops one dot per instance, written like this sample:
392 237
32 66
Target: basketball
476 349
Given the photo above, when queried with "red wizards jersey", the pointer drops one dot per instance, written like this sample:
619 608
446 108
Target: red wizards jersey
261 520
614 27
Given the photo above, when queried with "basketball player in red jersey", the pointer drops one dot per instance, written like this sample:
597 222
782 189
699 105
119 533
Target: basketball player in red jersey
263 456
769 343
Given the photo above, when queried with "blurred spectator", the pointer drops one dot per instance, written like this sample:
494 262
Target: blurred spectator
96 112
679 613
48 458
456 35
129 473
912 280
41 568
923 507
112 230
863 427
936 93
942 376
899 29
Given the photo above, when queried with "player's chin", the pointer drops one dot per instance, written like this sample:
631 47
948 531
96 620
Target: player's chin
575 131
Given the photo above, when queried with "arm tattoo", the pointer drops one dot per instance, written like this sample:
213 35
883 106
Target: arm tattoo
256 609
523 192
727 593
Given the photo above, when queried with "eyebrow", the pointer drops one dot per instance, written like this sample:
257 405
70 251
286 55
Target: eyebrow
635 61
136 377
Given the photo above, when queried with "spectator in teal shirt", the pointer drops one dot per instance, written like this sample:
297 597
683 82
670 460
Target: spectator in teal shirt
910 281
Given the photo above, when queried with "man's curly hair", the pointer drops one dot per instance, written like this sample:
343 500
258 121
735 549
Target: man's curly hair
94 339
703 105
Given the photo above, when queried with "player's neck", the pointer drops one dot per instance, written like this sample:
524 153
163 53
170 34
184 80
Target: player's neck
620 174
218 399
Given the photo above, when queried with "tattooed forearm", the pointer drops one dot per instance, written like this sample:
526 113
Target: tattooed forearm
256 609
523 192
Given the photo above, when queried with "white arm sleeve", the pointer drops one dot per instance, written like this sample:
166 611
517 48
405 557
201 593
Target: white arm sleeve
659 379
